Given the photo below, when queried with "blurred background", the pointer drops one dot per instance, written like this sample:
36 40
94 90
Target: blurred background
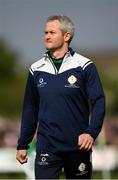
21 43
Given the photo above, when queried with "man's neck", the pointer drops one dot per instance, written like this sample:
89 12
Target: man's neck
58 53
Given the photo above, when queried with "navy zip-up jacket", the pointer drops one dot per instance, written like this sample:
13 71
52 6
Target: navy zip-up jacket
63 104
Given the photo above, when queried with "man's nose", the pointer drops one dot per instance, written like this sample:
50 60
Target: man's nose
47 36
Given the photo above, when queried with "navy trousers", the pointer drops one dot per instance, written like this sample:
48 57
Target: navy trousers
77 165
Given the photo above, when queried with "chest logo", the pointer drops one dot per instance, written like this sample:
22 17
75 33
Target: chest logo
72 79
71 82
41 83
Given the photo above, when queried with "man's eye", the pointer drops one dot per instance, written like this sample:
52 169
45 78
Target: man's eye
52 32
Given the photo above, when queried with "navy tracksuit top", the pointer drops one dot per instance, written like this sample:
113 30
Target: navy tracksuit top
62 104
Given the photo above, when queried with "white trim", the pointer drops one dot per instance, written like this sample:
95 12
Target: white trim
87 65
68 63
31 71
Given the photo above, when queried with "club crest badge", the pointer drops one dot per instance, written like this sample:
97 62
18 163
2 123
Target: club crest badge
82 167
72 79
72 82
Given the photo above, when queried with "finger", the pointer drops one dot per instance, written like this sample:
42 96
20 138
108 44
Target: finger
83 145
21 159
24 161
90 146
80 140
86 147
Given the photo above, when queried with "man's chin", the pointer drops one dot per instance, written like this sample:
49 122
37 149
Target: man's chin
50 48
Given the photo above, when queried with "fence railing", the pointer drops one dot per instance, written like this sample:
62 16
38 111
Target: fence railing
104 159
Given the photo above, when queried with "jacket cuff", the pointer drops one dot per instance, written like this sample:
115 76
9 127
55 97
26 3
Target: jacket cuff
19 147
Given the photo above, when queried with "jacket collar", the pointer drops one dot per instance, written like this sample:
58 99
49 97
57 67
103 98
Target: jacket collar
68 54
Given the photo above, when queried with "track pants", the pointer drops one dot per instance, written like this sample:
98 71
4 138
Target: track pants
77 165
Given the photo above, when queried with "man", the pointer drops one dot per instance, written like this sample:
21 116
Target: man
64 101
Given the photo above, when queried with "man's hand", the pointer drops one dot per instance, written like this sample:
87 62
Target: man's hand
85 141
21 156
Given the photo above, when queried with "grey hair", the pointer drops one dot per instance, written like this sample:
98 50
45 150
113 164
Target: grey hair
66 24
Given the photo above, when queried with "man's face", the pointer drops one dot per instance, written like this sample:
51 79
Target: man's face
54 38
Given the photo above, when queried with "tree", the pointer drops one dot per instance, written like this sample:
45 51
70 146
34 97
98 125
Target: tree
11 81
8 61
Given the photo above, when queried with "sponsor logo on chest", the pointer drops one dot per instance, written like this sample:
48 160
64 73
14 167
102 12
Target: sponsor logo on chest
41 83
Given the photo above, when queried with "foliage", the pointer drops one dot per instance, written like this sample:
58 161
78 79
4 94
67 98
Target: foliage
11 82
8 60
109 77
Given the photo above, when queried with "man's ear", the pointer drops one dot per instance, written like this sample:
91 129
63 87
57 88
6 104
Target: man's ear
67 36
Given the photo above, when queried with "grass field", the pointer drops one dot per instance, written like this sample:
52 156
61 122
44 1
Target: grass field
96 175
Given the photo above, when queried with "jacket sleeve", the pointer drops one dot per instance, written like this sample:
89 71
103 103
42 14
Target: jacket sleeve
29 114
96 100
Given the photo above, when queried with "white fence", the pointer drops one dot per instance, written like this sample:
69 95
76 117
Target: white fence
104 159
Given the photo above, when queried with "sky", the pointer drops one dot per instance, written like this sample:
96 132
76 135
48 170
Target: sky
22 23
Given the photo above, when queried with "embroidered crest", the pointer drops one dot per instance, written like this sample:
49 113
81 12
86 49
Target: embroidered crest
72 79
82 167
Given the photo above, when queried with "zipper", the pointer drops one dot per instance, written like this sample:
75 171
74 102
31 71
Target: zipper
55 69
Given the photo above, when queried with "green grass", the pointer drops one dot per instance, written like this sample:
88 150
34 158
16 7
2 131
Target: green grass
96 175
12 176
99 175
